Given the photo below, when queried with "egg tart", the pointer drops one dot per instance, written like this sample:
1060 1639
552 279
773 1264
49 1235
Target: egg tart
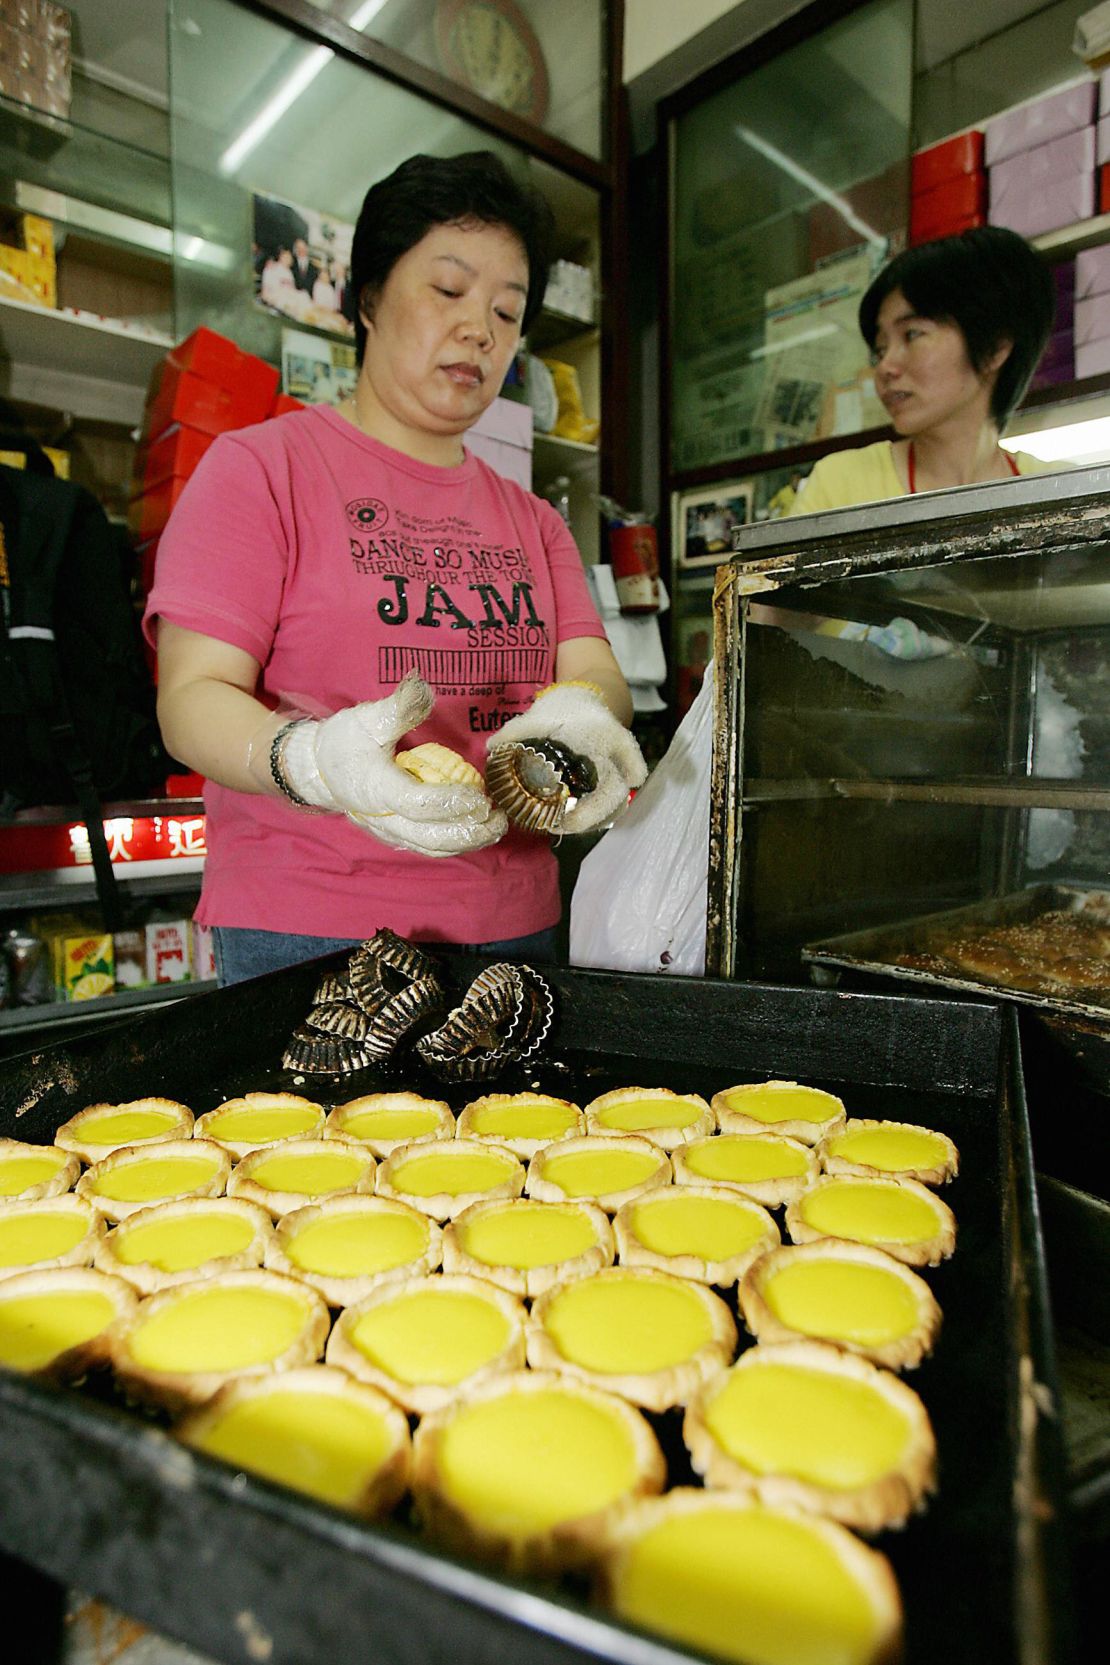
100 1129
348 1245
136 1176
522 1122
667 1119
800 1112
730 1577
767 1168
606 1169
705 1232
185 1343
243 1125
529 1469
647 1336
51 1231
315 1430
288 1175
61 1322
885 1149
442 1179
382 1121
28 1172
847 1294
424 1340
899 1215
525 1246
813 1428
191 1237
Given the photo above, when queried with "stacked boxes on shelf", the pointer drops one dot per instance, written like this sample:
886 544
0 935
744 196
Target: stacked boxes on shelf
76 959
35 54
1092 311
27 267
1041 161
948 188
1057 363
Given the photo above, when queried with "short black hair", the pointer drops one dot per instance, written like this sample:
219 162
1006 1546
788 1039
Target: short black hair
426 191
992 285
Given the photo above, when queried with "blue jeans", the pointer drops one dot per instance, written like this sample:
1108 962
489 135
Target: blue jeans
244 953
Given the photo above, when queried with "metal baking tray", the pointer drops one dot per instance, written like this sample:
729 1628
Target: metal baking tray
879 950
98 1497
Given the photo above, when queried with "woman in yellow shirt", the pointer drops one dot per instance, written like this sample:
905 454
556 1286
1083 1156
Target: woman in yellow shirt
955 328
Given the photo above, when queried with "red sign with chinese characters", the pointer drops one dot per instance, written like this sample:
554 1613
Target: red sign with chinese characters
37 847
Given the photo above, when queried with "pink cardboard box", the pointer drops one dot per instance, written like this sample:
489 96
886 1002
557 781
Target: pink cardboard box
1041 167
502 437
1092 271
1037 210
1042 119
1092 318
1093 358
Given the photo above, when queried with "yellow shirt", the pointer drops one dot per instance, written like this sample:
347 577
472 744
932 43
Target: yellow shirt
867 475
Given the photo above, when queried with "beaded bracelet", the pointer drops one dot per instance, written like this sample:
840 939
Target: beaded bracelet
277 750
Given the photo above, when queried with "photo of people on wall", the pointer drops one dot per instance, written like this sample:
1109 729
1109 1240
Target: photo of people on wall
301 262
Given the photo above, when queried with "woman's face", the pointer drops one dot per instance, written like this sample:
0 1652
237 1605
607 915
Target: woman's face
446 326
923 374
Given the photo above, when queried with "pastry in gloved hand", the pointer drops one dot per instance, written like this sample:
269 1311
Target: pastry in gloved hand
564 765
346 763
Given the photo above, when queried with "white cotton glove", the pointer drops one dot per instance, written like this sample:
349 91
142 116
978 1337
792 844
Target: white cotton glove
575 714
346 763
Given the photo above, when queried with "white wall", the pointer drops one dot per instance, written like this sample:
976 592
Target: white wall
654 28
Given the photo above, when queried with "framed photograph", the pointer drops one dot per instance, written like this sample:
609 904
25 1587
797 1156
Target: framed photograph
301 262
703 522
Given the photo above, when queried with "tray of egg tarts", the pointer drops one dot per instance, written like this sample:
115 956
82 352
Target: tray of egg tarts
715 1325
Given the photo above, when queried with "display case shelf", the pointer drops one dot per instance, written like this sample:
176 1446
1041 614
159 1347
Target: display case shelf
75 886
57 155
18 1019
552 326
570 456
990 793
1069 239
95 368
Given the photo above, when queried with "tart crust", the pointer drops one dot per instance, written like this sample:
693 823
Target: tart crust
243 1181
78 1133
340 1290
809 1129
121 1208
921 1251
177 1389
14 1215
424 1396
887 1500
63 1178
524 1145
771 1192
238 1146
899 1352
528 1281
656 1390
73 1362
934 1173
667 1135
389 1103
567 1544
446 1205
383 1488
147 1277
723 1272
545 1189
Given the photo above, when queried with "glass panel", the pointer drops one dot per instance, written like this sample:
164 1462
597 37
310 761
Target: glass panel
541 61
788 188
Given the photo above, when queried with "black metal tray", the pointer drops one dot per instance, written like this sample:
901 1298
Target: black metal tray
94 1495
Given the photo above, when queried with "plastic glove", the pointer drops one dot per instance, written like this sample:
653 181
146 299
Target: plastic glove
575 714
346 763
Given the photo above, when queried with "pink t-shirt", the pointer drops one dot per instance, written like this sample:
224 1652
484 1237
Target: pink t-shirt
340 565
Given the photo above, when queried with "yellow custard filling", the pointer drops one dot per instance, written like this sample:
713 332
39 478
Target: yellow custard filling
155 1177
358 1245
315 1442
771 1104
19 1173
584 1173
34 1329
28 1238
841 1301
708 1227
522 1463
123 1127
390 1124
889 1148
186 1241
747 1585
544 1120
627 1325
217 1329
312 1176
431 1336
257 1124
631 1115
878 1213
785 1419
527 1234
745 1160
429 1175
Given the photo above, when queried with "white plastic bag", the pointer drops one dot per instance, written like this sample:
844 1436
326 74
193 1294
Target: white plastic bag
640 900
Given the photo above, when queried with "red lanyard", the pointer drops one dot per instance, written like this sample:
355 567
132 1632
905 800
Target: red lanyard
911 467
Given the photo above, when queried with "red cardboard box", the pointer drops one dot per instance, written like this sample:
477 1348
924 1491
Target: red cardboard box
175 452
209 355
190 400
284 403
148 514
1104 189
952 157
954 206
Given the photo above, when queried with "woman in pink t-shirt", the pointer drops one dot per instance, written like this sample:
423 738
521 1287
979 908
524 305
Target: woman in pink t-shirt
337 581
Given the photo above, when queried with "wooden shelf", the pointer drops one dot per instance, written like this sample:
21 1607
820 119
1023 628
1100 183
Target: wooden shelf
550 327
98 369
567 456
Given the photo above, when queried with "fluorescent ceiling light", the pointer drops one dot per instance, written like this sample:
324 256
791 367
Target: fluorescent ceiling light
1066 443
811 183
289 91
